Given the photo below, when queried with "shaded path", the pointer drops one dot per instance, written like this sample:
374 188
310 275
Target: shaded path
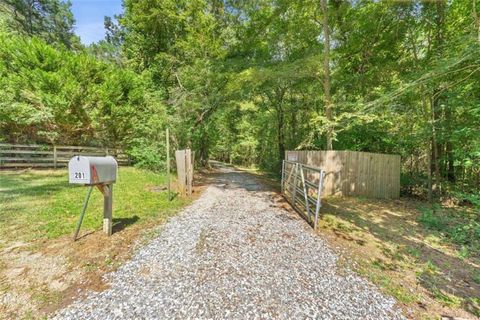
234 254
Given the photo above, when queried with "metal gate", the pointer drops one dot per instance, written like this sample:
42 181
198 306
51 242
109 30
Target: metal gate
302 187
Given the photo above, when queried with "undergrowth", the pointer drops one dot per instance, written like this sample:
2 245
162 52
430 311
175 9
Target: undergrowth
460 227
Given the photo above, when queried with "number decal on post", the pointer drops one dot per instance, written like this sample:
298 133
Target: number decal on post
79 175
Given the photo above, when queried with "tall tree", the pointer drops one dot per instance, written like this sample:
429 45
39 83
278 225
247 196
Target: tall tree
326 74
50 19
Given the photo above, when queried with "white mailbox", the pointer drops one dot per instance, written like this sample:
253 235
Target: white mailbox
95 171
92 170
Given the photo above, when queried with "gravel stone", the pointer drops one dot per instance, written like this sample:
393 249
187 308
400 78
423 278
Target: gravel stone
233 254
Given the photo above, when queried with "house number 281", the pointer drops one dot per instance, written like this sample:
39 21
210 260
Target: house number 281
79 175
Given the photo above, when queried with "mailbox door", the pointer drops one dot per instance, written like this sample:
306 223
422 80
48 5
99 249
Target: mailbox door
79 171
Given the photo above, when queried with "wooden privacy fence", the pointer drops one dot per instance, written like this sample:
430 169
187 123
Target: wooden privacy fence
302 187
184 160
50 156
352 173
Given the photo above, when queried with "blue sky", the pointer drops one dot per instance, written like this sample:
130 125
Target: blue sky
89 17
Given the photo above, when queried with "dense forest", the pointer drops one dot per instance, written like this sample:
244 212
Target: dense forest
243 81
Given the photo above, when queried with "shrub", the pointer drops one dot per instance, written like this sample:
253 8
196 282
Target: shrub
430 220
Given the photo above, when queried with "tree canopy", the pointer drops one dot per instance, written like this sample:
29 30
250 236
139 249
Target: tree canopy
243 81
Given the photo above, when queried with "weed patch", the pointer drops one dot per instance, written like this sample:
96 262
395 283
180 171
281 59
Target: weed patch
455 226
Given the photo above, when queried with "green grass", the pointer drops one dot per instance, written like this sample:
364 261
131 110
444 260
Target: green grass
476 277
383 280
447 299
41 204
460 227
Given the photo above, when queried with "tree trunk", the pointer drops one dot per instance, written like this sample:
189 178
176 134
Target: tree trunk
436 98
435 154
449 156
203 152
29 17
429 171
476 19
281 133
450 162
326 74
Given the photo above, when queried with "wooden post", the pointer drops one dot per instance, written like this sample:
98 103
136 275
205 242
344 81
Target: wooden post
55 157
168 163
181 172
107 209
188 170
192 164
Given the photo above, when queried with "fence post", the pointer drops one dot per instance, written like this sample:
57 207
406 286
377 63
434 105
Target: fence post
307 206
295 184
192 163
55 157
168 163
283 178
319 198
188 170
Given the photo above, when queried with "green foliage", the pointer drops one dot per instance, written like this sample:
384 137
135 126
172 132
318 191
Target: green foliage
57 96
52 20
431 220
446 299
147 155
467 198
459 227
476 277
241 81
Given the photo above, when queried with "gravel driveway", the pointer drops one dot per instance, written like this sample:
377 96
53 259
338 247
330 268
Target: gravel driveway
234 254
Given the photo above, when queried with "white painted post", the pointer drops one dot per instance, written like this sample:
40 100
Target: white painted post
107 208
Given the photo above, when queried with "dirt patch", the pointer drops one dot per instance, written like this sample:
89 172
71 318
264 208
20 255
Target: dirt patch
42 276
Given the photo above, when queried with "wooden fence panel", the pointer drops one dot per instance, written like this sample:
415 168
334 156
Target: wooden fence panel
181 171
353 173
51 156
185 162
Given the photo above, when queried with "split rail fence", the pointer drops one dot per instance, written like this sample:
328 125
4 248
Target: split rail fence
51 156
302 187
352 173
